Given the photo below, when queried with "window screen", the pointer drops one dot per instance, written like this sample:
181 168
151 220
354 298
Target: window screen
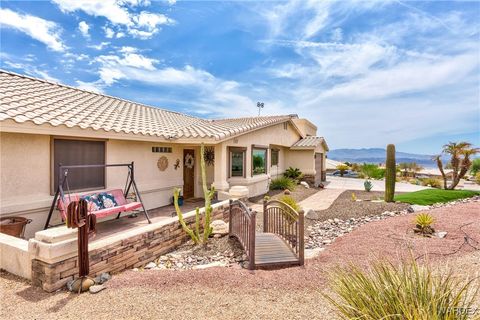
80 152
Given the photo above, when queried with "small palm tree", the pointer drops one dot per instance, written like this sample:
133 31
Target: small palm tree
405 167
415 168
460 161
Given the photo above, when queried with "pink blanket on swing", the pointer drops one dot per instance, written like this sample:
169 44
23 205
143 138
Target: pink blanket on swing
122 205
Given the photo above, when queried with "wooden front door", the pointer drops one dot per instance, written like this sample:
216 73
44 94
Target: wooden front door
188 173
318 167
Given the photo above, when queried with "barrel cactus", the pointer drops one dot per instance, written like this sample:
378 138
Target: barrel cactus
368 185
390 173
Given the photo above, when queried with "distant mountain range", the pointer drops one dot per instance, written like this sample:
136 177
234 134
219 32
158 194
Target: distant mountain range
377 155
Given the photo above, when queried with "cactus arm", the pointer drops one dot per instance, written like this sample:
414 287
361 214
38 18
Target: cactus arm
176 193
197 222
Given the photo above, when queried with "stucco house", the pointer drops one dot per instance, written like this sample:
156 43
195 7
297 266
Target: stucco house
43 124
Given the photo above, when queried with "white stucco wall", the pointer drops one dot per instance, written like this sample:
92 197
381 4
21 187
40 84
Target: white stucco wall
26 174
273 137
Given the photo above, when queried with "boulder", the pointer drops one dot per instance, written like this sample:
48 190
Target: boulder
417 208
86 283
102 278
313 253
287 192
96 288
219 227
305 184
310 213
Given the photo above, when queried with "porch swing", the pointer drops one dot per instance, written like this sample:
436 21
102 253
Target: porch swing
117 199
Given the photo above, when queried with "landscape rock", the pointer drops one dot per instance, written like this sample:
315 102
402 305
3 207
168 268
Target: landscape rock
96 288
102 278
86 283
150 265
210 265
310 213
441 234
287 192
417 208
305 184
313 253
219 227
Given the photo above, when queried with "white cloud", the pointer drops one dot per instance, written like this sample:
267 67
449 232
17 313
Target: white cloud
45 31
142 25
90 86
31 70
109 9
84 28
109 33
407 77
99 46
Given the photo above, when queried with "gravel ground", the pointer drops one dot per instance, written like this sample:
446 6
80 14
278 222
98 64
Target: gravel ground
231 293
344 207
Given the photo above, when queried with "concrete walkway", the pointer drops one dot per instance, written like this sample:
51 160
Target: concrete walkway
357 184
321 200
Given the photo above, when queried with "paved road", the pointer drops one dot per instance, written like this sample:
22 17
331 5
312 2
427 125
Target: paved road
357 184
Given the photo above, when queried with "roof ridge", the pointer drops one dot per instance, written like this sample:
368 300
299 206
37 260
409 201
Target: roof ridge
93 92
254 117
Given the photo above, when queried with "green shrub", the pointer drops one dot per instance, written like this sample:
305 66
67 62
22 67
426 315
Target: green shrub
372 171
432 182
282 183
406 292
291 202
368 185
293 173
475 168
477 178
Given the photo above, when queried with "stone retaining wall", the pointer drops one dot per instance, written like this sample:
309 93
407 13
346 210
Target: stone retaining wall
132 251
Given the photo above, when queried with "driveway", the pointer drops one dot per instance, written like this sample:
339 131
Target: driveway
357 184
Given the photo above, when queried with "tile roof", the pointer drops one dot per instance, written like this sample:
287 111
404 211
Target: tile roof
309 142
24 99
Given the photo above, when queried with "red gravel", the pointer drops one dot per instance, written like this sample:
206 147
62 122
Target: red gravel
228 293
390 238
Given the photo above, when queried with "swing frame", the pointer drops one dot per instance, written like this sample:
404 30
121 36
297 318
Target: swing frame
63 182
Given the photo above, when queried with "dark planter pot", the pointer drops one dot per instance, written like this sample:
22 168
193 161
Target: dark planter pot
14 226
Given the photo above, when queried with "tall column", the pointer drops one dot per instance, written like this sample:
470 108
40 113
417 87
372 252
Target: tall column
220 168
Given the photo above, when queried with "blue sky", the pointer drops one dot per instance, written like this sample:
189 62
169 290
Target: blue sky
367 73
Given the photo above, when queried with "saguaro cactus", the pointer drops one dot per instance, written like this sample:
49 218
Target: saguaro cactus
390 173
208 195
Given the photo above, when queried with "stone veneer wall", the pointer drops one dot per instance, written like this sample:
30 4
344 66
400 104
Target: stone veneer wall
127 253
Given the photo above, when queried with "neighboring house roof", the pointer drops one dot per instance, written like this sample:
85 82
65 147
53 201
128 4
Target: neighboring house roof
41 102
309 142
332 164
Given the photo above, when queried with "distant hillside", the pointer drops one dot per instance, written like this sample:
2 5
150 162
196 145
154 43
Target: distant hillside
377 155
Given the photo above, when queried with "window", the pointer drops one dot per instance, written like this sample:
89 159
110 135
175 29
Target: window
237 162
79 152
259 160
162 149
275 153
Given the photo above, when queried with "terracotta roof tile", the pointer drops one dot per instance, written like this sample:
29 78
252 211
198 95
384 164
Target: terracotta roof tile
309 142
42 102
